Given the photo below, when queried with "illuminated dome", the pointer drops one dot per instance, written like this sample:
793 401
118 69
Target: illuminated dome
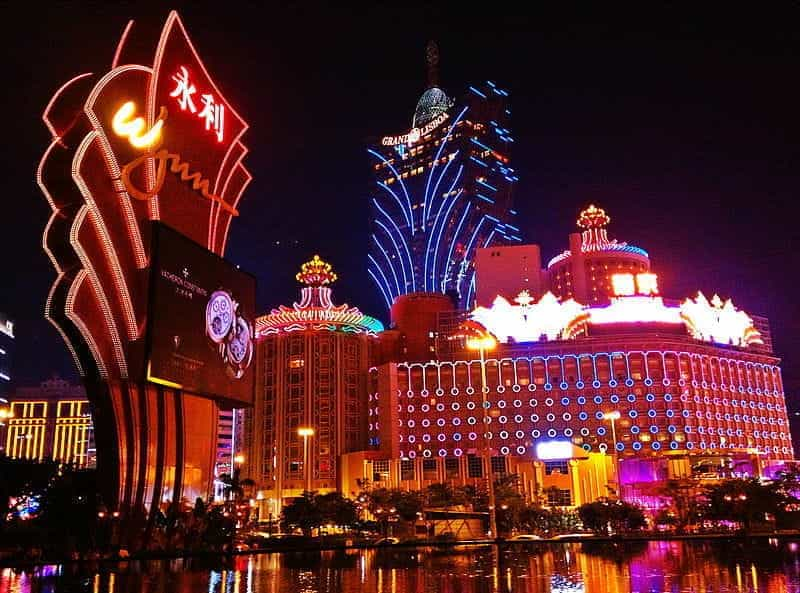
594 237
593 218
432 103
316 311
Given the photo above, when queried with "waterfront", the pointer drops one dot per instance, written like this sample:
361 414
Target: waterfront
768 566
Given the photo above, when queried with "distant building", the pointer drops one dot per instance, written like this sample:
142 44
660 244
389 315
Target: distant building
6 352
230 428
442 190
51 421
312 362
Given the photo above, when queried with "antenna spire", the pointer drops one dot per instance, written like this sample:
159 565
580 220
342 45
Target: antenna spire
432 59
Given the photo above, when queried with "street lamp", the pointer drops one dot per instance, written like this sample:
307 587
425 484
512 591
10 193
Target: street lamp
305 432
482 342
613 417
238 459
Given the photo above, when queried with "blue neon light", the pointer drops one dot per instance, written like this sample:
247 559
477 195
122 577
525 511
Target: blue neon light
479 143
403 185
433 229
397 199
439 238
436 160
389 261
383 292
477 92
469 245
480 162
400 253
455 237
482 197
491 187
385 279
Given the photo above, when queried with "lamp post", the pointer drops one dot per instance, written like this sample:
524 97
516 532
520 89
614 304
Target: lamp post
482 343
305 432
613 417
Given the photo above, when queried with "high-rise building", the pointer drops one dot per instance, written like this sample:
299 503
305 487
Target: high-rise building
312 362
442 190
6 350
229 443
50 421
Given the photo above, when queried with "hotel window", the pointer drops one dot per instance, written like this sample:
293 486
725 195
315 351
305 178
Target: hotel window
380 470
429 469
451 467
297 363
474 466
561 466
556 497
499 466
406 469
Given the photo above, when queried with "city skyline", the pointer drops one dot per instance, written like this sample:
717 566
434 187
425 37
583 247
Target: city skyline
689 188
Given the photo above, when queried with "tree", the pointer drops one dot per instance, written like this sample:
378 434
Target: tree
683 507
234 484
388 505
302 513
336 509
745 501
313 510
444 495
606 517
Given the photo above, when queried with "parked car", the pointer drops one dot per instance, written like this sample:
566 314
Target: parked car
387 541
525 537
572 535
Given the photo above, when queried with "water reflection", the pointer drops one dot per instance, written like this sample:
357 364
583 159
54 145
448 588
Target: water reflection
588 567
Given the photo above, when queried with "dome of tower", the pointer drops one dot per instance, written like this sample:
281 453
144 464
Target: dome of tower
432 103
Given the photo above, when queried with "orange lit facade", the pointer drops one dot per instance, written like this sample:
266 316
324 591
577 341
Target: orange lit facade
312 362
52 421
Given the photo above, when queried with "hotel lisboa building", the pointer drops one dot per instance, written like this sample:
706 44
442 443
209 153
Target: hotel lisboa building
597 384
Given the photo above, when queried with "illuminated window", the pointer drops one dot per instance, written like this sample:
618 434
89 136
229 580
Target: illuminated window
623 284
380 470
406 469
647 283
474 466
451 467
429 469
499 466
556 497
297 363
560 466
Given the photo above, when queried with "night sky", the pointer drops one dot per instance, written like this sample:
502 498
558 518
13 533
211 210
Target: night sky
682 125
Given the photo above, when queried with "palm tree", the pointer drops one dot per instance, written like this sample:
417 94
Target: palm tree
235 484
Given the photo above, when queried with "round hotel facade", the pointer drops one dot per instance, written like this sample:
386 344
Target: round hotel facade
643 388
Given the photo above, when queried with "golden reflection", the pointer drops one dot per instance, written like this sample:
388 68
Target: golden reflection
586 567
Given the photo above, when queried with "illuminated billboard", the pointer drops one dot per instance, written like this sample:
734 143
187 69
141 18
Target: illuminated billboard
201 321
150 140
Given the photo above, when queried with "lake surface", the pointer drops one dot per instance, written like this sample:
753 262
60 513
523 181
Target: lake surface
769 566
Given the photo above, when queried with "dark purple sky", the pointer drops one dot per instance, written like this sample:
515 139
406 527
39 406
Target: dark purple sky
683 125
